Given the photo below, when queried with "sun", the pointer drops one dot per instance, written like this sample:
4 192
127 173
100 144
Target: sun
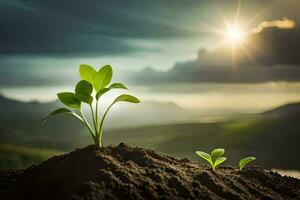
234 35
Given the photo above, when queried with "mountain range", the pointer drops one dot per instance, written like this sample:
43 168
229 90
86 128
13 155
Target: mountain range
271 136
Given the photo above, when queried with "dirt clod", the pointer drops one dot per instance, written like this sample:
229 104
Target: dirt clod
124 172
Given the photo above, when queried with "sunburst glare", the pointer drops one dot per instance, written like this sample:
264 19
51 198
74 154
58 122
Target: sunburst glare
234 35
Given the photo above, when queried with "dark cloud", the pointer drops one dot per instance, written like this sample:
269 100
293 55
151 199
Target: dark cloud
276 46
97 27
107 27
30 31
44 27
193 72
274 56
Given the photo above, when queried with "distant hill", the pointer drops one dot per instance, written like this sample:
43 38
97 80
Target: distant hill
292 108
273 140
148 113
20 122
162 127
144 113
17 156
11 108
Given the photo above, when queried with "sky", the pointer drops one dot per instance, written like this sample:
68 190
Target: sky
154 45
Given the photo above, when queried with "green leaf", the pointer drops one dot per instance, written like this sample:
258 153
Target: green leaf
219 160
69 99
101 92
87 73
83 91
102 78
205 156
126 98
243 162
118 86
112 86
216 153
59 112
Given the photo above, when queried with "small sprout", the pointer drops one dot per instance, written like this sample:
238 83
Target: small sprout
243 162
93 85
214 159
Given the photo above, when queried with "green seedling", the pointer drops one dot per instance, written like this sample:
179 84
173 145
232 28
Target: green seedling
243 162
214 159
89 90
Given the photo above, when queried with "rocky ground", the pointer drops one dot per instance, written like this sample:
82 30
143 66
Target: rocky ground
124 172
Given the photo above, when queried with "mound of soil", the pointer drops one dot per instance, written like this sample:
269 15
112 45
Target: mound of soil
124 172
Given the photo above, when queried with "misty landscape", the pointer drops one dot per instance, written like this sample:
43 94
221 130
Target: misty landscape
175 131
199 75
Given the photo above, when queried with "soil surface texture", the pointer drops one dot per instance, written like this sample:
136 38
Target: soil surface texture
124 172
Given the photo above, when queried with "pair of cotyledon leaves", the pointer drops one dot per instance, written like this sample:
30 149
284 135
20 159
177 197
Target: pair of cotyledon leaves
215 158
91 80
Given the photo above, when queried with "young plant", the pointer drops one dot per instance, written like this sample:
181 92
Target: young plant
89 90
214 158
243 162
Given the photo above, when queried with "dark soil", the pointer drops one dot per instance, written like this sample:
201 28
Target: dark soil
125 172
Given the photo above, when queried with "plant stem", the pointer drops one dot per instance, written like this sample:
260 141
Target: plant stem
213 168
101 124
87 124
97 102
97 122
94 121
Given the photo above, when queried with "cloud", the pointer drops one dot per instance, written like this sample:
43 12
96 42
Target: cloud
274 56
101 27
194 72
80 28
281 24
274 46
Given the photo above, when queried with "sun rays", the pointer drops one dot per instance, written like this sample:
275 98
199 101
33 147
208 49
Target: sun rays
235 34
